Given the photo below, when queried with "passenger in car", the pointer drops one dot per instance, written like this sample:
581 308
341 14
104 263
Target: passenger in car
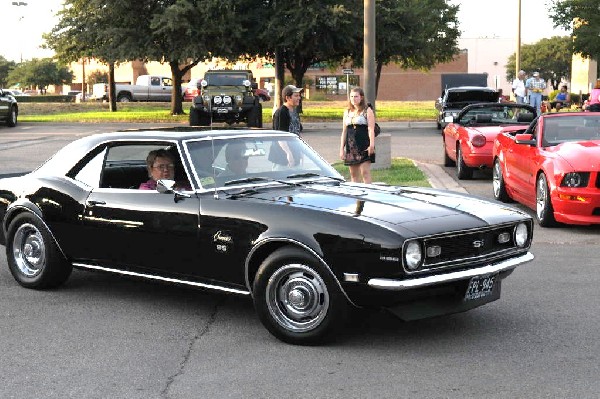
236 158
161 165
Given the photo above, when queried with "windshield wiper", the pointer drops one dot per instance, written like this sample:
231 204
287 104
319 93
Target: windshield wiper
246 180
311 174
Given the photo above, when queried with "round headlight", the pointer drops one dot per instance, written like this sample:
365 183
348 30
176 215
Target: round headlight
218 99
521 235
226 100
413 256
203 83
247 83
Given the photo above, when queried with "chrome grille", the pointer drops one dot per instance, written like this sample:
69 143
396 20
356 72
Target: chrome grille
462 249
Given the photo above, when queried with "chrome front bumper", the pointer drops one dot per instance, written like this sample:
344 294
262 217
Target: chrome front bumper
420 282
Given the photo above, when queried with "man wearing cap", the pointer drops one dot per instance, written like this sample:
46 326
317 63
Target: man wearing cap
535 86
286 118
518 87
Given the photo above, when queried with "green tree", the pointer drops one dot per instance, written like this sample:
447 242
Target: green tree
551 57
41 73
5 68
415 34
582 18
180 33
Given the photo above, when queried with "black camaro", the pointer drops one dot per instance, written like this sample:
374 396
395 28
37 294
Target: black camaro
259 213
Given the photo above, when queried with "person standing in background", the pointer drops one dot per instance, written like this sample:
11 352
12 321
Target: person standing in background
518 87
286 118
535 86
357 142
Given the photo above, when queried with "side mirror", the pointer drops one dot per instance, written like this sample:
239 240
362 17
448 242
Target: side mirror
165 186
526 139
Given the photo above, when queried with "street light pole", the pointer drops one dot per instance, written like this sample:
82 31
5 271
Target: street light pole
18 4
518 52
369 50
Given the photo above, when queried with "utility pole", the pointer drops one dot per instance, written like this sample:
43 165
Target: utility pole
369 51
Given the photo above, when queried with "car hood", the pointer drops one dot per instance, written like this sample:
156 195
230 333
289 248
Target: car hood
581 155
421 210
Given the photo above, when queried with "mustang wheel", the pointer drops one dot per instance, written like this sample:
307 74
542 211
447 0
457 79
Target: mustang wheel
463 172
543 210
498 183
33 257
296 299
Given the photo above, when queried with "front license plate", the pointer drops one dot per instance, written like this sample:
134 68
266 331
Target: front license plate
480 287
222 110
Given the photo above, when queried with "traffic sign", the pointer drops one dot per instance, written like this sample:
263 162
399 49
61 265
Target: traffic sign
348 71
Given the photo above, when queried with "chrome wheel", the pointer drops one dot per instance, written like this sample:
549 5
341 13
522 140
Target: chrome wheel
29 250
543 209
297 298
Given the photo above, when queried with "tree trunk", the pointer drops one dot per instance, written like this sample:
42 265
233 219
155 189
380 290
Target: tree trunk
176 97
112 101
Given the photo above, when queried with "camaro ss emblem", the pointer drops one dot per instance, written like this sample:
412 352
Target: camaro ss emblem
478 243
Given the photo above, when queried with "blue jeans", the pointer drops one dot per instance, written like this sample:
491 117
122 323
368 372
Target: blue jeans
535 100
520 99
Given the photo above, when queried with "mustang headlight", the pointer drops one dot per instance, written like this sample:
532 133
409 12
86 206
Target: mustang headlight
575 179
521 235
413 255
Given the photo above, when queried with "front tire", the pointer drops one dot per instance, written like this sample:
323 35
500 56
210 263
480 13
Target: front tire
498 184
124 98
544 211
297 299
463 172
34 259
12 117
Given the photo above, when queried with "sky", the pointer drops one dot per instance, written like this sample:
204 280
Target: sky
478 18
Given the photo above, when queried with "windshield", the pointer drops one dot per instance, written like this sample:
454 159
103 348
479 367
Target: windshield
225 79
499 114
570 128
227 162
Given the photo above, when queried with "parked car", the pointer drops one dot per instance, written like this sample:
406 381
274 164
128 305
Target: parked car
305 245
552 167
146 88
192 89
16 92
469 139
454 99
262 94
9 108
227 95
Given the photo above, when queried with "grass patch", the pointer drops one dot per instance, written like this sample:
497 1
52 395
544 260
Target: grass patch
403 172
313 111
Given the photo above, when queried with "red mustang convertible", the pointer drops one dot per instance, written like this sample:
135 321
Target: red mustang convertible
469 138
552 167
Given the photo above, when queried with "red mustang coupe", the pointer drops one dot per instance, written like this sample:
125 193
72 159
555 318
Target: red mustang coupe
469 138
552 167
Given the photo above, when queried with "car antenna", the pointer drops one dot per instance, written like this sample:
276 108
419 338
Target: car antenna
212 147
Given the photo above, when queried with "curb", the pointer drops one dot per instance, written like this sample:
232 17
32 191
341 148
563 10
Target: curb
438 178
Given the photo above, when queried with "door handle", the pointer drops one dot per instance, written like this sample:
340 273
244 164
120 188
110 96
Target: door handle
92 203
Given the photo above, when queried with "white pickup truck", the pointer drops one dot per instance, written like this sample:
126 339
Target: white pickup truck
146 88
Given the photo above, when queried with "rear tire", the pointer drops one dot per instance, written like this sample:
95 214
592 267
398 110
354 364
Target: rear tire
124 98
297 299
463 172
255 116
34 259
447 160
194 117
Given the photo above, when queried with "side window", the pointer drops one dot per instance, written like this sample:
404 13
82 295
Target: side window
90 173
125 165
154 81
